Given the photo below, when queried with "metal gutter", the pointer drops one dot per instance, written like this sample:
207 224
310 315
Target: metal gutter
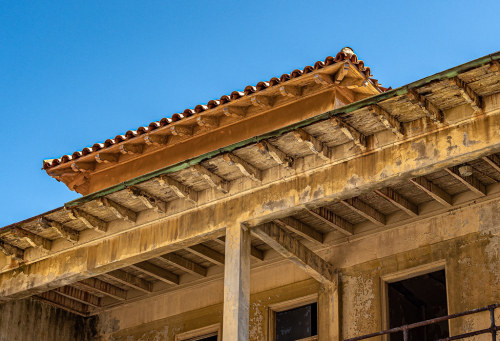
450 73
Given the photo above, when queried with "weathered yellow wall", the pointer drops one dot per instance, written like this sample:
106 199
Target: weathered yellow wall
32 320
466 240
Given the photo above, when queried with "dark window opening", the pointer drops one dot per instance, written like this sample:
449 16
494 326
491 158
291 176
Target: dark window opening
211 337
417 299
297 323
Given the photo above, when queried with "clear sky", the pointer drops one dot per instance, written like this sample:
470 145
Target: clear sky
73 73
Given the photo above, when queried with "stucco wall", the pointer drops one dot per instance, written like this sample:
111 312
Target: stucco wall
466 241
32 320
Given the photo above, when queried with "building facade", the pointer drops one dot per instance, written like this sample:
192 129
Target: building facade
315 206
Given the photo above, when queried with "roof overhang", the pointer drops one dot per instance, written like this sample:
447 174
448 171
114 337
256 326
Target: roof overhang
411 147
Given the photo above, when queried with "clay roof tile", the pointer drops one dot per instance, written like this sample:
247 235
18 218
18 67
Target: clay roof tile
345 54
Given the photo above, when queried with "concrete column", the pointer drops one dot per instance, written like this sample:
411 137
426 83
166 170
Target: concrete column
236 284
328 312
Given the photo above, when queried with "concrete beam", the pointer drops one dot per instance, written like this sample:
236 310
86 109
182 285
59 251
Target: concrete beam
185 264
182 191
433 191
254 252
157 272
237 284
157 234
398 200
277 155
470 181
90 221
79 296
104 288
131 281
63 302
207 253
303 230
11 250
245 168
289 247
120 211
365 210
332 220
33 239
314 145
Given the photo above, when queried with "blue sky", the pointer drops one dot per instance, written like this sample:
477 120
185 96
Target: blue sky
77 72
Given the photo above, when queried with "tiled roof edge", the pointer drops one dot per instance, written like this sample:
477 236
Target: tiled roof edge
346 54
450 73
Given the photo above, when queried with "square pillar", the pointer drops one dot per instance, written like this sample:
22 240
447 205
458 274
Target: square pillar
328 316
236 284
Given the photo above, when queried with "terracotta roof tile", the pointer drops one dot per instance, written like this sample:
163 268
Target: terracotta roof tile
345 54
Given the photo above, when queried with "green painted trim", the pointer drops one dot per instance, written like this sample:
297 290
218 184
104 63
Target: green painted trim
453 72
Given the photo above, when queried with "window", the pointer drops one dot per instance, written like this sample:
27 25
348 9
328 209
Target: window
417 299
209 333
298 323
211 337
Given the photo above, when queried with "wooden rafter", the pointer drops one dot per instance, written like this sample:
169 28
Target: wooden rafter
33 239
335 79
181 131
474 100
277 155
120 211
430 110
290 91
207 253
493 161
470 181
331 219
147 199
185 264
365 210
353 82
433 191
131 281
207 121
181 190
341 73
131 148
107 157
77 179
156 140
79 296
312 143
388 120
289 247
89 220
104 288
83 166
212 179
157 272
301 229
245 168
234 111
254 252
324 79
11 250
399 201
63 302
352 134
63 231
264 102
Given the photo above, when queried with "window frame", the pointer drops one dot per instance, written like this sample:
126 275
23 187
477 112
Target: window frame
407 274
197 334
288 305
